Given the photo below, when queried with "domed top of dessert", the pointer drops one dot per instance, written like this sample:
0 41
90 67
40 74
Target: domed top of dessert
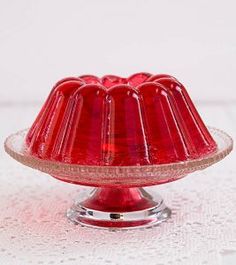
141 120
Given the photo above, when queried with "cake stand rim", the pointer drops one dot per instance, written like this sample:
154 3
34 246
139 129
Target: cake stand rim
73 170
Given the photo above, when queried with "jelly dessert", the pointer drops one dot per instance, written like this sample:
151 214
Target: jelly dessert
114 121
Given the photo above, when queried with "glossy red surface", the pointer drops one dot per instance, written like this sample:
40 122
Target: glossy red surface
141 120
118 200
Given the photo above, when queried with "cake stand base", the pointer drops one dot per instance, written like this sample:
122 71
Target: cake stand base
119 208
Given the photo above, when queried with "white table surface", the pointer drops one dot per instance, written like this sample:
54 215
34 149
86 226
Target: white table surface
34 230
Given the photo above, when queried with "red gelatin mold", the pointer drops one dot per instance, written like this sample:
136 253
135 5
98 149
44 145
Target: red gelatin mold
114 121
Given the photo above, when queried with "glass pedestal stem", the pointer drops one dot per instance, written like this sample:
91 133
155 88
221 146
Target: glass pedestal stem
119 208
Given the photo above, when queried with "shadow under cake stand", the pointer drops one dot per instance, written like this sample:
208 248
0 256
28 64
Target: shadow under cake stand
119 199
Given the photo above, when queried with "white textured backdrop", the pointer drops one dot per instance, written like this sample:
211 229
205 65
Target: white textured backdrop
43 41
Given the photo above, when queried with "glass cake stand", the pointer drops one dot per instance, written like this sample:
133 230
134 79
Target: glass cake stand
119 200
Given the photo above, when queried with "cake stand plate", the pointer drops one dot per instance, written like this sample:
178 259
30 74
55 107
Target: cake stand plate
119 201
